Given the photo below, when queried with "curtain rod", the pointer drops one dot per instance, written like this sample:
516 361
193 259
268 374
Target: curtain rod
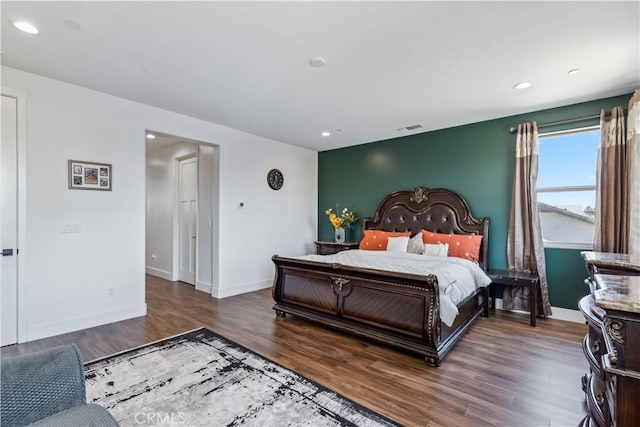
560 122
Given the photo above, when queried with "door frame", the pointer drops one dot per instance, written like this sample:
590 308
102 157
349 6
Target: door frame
21 98
176 215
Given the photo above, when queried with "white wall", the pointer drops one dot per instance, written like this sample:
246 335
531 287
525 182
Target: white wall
282 222
68 276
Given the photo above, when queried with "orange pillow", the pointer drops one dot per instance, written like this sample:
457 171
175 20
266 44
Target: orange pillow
465 246
375 240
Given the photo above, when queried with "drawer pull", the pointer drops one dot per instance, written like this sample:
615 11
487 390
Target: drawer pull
595 347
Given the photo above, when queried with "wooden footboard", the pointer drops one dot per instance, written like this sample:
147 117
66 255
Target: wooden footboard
397 309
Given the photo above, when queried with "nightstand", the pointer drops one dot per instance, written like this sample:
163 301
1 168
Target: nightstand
328 248
514 278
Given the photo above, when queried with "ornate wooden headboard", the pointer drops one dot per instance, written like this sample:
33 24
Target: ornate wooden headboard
438 210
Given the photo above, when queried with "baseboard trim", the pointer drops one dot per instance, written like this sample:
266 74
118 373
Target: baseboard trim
559 313
204 287
166 275
75 324
218 292
567 314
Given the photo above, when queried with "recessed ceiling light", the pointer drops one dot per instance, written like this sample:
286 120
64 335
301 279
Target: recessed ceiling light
151 136
317 62
326 134
574 71
26 27
522 85
72 24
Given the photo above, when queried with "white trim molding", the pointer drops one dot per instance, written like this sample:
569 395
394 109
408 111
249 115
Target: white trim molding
567 314
84 322
241 289
167 275
203 286
559 313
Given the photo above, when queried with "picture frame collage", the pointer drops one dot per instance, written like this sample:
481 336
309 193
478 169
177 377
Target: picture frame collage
90 175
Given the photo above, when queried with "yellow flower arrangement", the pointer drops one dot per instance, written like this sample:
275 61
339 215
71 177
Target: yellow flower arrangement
345 219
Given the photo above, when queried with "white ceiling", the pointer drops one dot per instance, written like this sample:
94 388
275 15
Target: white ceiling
388 64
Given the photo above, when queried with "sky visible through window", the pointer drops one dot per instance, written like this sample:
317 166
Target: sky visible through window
568 160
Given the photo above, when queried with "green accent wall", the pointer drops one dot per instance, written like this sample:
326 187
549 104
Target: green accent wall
566 272
475 160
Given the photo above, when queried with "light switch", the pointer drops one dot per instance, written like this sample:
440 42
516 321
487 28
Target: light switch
71 227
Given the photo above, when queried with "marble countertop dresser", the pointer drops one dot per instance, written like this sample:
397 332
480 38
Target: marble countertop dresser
612 346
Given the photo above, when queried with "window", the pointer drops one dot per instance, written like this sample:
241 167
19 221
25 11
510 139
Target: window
567 187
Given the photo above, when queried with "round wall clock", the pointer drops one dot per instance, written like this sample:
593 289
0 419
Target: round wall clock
275 179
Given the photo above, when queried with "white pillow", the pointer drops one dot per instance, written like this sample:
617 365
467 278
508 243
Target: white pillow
437 249
416 244
398 244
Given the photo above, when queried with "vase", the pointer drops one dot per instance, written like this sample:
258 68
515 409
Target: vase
340 235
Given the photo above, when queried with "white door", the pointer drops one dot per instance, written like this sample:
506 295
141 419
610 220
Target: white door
188 211
8 221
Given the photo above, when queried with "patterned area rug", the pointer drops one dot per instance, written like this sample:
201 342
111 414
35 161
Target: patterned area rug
202 379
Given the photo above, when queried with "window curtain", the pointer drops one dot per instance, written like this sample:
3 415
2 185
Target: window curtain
525 251
633 158
612 185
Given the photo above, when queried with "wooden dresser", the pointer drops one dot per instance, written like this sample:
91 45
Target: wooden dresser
612 346
610 263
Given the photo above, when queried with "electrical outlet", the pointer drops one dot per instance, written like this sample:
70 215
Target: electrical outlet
153 257
111 293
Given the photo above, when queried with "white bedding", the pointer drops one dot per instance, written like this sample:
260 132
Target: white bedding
457 277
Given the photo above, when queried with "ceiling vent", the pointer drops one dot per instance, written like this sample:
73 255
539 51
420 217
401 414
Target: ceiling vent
408 128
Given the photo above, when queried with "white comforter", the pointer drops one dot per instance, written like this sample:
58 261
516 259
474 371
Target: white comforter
457 277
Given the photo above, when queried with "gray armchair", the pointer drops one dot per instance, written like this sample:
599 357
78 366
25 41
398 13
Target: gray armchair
47 389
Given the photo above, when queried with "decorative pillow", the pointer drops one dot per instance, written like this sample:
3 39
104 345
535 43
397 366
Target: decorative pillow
374 240
416 245
460 245
397 244
436 249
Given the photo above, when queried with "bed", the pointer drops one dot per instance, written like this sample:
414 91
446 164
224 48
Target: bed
402 309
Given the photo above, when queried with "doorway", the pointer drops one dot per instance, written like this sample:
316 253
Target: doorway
182 210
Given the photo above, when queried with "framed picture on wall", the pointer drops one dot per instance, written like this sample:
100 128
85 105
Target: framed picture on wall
90 175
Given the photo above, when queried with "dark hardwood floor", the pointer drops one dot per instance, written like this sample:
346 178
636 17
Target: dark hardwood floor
502 372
